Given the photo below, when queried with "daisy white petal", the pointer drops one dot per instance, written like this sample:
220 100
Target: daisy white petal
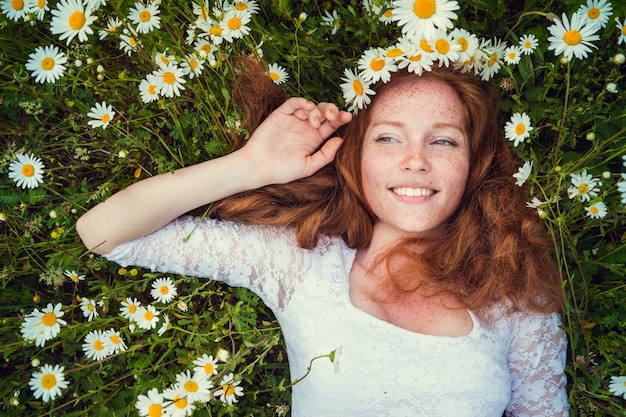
70 20
46 64
101 114
43 325
356 91
596 210
421 17
15 9
145 17
518 128
163 290
27 171
597 12
277 73
230 390
151 405
572 38
528 43
523 173
48 382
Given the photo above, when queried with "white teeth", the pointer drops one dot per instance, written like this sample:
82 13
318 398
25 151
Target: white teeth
413 192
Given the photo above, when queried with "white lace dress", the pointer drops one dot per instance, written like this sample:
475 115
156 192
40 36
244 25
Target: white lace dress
516 363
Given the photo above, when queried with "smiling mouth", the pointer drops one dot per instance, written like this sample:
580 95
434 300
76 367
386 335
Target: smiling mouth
413 192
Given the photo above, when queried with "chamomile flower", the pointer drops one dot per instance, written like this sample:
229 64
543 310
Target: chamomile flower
129 309
46 64
493 53
416 60
523 173
572 37
372 8
222 355
375 66
584 186
618 386
148 88
230 390
165 326
146 317
101 114
234 25
536 204
113 26
73 276
38 8
15 9
27 171
182 306
622 31
277 73
246 5
151 405
528 43
178 404
356 91
621 188
421 17
145 16
163 290
212 29
113 341
468 43
513 54
48 382
170 80
518 128
386 17
129 42
445 49
205 365
331 20
192 66
95 345
596 210
162 59
196 387
43 325
597 12
88 307
70 19
205 50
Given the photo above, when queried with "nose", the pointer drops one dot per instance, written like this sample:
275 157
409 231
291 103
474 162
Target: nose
415 159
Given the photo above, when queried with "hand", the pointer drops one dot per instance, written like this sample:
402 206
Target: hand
292 143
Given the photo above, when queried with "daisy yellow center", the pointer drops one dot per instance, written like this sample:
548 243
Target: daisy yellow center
77 20
464 44
74 278
115 339
415 58
274 76
520 128
148 315
98 345
90 307
105 118
241 6
191 386
206 48
145 16
594 210
48 381
358 87
28 171
169 78
164 290
443 46
492 61
234 23
164 60
228 389
193 64
512 55
528 44
208 368
593 13
426 46
49 319
216 31
424 8
394 52
388 13
572 37
180 402
17 4
155 410
151 90
132 41
41 4
624 34
583 188
133 308
113 29
377 64
47 63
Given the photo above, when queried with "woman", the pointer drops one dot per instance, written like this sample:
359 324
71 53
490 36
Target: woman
402 245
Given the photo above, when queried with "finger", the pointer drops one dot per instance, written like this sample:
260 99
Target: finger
296 104
324 155
332 124
315 118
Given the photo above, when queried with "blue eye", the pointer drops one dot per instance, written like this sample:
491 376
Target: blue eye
385 139
444 141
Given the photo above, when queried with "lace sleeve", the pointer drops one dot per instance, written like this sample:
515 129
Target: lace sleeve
537 365
263 259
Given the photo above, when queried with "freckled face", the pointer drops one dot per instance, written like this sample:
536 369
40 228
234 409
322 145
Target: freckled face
415 159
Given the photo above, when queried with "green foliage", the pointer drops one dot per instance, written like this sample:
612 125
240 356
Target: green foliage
578 125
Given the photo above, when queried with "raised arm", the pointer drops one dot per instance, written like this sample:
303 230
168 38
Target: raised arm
290 144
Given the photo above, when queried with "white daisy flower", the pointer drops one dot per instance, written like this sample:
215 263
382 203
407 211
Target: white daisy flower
528 43
38 8
27 171
513 54
48 382
182 306
102 114
170 81
493 53
375 66
88 308
622 31
572 37
421 17
70 19
467 41
206 365
46 64
596 11
583 185
151 405
129 42
230 390
163 290
178 404
618 386
518 128
162 59
372 8
621 188
386 17
523 173
113 341
145 16
94 5
596 210
95 345
196 387
165 326
15 10
205 49
113 26
415 59
234 25
148 88
43 325
73 276
222 355
246 5
192 66
356 91
536 204
212 29
201 9
146 317
331 20
277 73
445 49
129 308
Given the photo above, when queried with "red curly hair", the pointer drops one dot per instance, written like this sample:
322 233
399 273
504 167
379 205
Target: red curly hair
495 249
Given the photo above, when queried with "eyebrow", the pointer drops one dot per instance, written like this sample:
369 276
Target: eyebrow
437 125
